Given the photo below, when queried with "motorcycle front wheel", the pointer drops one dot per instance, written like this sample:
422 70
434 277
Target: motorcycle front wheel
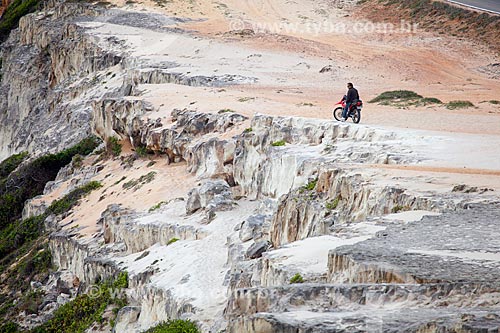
337 113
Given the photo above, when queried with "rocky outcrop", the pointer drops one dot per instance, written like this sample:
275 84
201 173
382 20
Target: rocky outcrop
120 227
430 251
47 75
285 230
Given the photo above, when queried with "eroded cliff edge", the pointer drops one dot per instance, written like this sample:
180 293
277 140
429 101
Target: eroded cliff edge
213 214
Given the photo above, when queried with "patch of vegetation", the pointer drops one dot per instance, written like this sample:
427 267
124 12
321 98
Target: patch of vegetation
248 130
400 208
29 180
333 204
161 3
157 206
9 327
138 183
22 233
113 146
12 14
493 101
297 278
79 314
225 111
142 256
142 151
245 99
430 100
64 204
404 98
120 180
309 186
77 161
441 17
172 241
150 164
103 3
396 95
306 104
24 253
10 164
175 326
31 301
453 105
279 143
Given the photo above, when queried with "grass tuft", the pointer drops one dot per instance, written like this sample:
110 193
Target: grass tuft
172 241
157 206
453 105
333 204
279 143
138 183
297 278
311 185
225 111
400 208
10 164
175 326
64 204
113 146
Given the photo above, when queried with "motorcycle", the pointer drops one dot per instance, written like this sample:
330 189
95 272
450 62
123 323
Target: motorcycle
354 112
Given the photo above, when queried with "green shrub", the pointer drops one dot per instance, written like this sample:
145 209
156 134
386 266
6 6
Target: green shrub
172 241
225 111
400 208
114 147
10 164
138 183
493 101
141 151
453 105
248 130
245 99
12 14
306 104
77 161
332 205
310 186
157 206
121 281
17 238
175 326
430 100
297 278
25 231
24 242
9 327
29 180
64 204
120 180
279 143
79 314
396 95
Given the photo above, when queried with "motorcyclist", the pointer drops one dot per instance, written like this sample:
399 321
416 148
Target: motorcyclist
351 97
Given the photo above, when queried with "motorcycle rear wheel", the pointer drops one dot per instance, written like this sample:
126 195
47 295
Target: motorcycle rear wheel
356 117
